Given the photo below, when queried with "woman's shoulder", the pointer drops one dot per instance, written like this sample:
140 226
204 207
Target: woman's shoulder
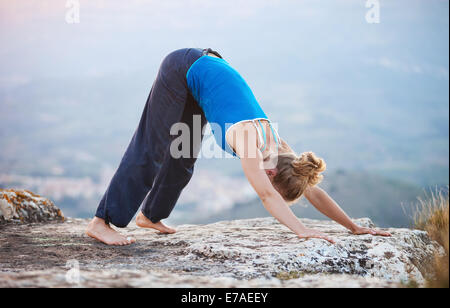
243 129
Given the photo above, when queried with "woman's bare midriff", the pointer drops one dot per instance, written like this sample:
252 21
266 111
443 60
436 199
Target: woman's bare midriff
212 55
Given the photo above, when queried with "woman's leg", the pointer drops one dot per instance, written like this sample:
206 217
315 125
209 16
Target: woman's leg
151 141
175 173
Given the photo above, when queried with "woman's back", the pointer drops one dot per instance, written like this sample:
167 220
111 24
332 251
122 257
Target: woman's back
223 95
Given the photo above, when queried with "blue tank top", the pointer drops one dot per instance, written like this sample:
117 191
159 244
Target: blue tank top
224 97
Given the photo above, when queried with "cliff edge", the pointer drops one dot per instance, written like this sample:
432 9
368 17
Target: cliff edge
241 253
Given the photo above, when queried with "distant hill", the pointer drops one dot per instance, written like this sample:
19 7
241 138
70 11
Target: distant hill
387 202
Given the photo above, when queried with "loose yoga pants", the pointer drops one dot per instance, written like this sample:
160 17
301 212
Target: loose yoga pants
147 173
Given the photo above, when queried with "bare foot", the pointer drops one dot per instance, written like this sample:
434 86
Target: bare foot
144 222
102 232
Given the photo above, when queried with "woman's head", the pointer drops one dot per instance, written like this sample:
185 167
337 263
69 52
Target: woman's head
294 174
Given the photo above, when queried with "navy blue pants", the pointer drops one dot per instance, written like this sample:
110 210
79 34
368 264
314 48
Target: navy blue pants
147 173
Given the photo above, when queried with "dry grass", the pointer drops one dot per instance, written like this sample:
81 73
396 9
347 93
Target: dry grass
432 215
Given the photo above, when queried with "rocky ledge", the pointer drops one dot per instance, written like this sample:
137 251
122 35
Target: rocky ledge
25 206
241 253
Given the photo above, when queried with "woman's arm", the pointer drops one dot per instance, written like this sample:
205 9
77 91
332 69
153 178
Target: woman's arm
252 165
286 146
327 206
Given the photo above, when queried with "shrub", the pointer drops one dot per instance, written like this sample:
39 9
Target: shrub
432 216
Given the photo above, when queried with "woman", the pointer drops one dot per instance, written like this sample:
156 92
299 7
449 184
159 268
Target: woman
191 84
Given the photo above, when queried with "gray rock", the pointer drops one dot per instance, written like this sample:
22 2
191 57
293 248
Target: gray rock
24 206
242 253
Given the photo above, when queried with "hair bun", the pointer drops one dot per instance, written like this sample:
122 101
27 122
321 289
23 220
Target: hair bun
310 166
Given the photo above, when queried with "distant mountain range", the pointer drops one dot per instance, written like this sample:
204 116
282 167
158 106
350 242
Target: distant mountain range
387 202
211 197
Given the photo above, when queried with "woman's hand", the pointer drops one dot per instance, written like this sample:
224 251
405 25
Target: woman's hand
310 233
361 230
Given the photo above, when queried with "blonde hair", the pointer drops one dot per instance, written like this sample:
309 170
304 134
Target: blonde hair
296 173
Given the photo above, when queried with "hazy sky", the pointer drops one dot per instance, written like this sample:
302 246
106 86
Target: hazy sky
284 36
308 62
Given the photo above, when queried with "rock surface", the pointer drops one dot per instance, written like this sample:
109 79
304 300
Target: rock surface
241 253
25 206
